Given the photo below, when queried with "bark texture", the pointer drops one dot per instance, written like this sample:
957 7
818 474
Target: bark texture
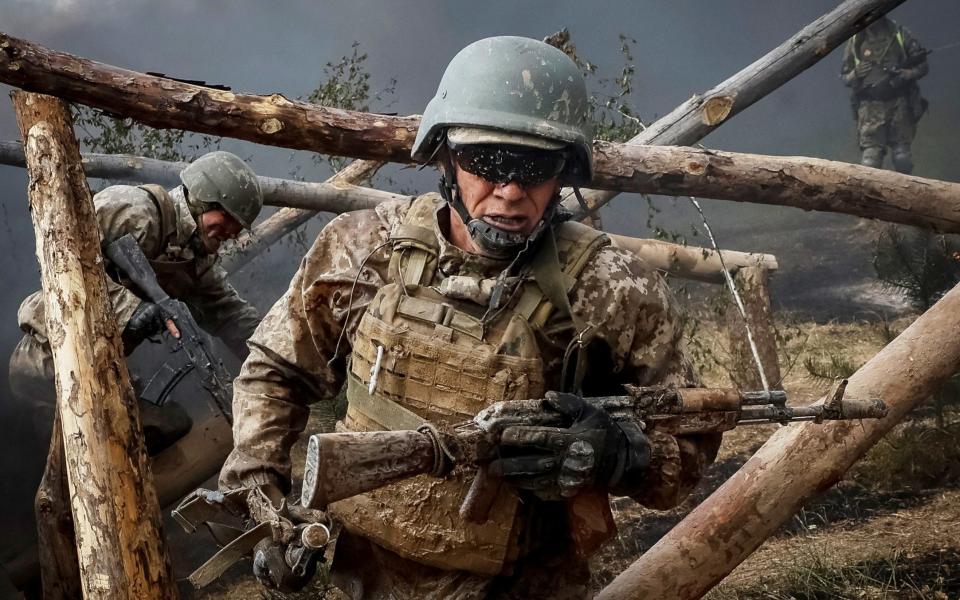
796 463
752 283
166 103
57 547
694 119
800 182
690 262
286 220
114 504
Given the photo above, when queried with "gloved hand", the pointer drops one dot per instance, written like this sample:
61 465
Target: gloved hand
147 319
558 462
863 69
898 79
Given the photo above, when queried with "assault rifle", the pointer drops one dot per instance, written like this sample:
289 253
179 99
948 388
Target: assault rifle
128 258
341 465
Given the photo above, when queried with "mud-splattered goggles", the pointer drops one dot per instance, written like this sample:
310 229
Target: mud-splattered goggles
500 163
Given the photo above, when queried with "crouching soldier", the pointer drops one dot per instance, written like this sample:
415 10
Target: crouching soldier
436 307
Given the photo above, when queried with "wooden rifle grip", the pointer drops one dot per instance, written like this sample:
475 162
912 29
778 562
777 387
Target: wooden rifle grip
590 520
483 492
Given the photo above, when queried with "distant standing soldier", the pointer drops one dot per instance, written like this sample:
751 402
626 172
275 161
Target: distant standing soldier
179 231
881 65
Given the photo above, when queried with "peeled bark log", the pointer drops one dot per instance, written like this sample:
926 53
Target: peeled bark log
800 182
286 220
697 117
169 104
115 511
797 463
690 262
752 282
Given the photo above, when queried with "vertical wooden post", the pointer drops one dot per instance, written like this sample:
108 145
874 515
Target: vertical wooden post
797 462
754 291
115 511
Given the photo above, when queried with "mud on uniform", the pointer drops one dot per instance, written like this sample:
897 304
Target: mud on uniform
391 277
166 231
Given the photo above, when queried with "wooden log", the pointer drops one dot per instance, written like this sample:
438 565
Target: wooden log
752 284
688 262
169 104
286 220
162 102
691 262
797 463
694 119
800 182
115 512
57 546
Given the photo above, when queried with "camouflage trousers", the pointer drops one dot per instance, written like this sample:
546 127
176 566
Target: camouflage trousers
883 123
363 570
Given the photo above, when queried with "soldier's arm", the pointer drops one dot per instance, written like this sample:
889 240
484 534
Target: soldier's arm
291 362
916 62
221 311
848 72
121 210
639 341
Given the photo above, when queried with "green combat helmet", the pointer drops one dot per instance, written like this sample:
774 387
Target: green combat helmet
509 91
224 179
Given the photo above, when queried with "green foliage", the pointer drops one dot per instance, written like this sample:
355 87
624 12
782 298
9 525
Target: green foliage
611 110
917 261
346 84
824 576
834 366
915 456
100 132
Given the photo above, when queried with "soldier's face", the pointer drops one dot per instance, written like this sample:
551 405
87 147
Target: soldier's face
510 206
216 227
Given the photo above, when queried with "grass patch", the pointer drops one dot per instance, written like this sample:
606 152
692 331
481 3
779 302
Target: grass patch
915 456
818 576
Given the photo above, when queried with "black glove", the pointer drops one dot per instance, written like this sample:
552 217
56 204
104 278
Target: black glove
147 319
558 462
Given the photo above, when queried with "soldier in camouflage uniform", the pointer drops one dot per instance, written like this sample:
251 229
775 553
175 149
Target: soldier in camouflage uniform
179 231
881 65
433 308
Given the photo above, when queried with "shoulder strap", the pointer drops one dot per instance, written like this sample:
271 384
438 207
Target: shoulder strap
556 266
165 208
415 245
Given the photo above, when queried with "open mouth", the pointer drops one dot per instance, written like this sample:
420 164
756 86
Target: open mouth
505 222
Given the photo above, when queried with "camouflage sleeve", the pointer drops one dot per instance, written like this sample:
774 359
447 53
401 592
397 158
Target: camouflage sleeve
222 312
123 209
916 65
636 340
847 66
294 357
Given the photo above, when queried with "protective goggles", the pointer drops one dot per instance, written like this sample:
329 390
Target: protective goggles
500 163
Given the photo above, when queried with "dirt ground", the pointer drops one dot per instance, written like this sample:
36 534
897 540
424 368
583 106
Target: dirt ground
891 529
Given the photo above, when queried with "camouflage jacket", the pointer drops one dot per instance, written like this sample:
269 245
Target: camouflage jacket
202 285
295 360
891 52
